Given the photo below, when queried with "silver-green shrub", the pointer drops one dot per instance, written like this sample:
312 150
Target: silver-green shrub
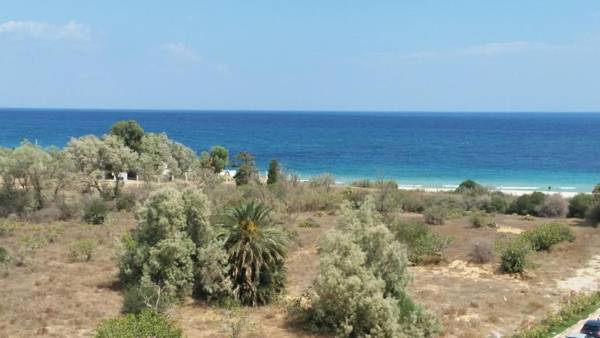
360 289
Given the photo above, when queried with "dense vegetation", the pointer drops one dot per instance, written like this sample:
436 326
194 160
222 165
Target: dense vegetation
221 239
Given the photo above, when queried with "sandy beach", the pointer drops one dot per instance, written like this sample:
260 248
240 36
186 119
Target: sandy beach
508 191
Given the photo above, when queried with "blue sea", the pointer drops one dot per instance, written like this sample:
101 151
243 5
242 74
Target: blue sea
512 150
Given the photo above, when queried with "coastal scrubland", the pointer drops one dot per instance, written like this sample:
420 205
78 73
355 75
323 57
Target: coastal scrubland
134 234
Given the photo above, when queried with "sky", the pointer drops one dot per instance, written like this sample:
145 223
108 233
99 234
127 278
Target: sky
383 55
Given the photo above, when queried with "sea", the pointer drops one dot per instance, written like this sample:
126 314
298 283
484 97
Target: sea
528 151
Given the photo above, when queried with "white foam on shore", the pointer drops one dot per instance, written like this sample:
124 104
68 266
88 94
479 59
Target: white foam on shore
516 188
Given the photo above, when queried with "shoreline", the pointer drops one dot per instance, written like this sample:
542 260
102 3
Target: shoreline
566 192
512 192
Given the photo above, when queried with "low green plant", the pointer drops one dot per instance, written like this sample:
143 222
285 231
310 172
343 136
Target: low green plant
513 255
147 296
481 219
579 205
592 216
471 187
424 246
4 256
308 223
545 236
95 211
146 324
236 322
527 204
572 309
7 227
435 215
125 201
82 250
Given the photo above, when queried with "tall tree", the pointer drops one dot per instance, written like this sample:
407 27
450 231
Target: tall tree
93 157
30 165
246 168
219 156
130 132
274 172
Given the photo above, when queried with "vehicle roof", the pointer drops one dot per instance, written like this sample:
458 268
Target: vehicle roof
593 322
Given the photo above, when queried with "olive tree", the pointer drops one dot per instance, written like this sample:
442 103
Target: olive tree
360 289
30 165
156 159
184 159
130 132
94 157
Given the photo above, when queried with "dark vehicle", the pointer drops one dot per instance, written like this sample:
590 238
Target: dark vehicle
591 328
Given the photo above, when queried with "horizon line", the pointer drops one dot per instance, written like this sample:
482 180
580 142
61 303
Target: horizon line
255 110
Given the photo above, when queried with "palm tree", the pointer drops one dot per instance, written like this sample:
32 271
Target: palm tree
256 252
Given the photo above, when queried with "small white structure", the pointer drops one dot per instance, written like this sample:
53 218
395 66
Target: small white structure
122 177
228 173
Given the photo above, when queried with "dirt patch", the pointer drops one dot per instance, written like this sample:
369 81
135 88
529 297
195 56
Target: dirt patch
586 278
53 297
509 230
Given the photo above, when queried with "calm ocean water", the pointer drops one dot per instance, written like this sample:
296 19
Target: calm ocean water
529 150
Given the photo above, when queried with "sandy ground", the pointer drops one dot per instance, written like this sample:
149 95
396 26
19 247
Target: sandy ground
51 296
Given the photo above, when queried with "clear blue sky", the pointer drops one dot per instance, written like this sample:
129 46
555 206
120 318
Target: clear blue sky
511 55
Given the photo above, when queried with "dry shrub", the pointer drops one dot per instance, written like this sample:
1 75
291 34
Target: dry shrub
82 250
554 206
435 215
482 251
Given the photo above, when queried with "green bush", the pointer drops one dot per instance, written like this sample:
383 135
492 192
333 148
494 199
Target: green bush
212 273
435 215
7 227
592 216
82 250
95 211
513 255
412 201
424 246
528 204
147 324
147 296
498 203
160 249
387 198
480 220
308 223
13 201
545 236
4 256
351 297
579 205
355 196
471 187
125 201
364 183
571 310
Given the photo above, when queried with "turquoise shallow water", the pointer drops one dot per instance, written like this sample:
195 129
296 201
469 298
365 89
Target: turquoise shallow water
527 150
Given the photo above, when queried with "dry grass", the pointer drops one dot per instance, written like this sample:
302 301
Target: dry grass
51 296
